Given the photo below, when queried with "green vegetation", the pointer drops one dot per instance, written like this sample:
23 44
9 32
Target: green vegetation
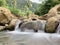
3 3
46 6
26 7
21 7
12 6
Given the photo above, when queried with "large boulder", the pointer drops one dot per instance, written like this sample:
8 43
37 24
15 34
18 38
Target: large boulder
47 16
52 24
5 15
58 29
12 24
7 19
55 9
52 12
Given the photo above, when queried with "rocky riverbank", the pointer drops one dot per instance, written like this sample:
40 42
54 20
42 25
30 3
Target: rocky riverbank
52 18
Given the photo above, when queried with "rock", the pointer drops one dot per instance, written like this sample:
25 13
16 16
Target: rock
51 25
5 15
7 19
46 16
58 29
2 28
55 9
12 24
24 19
52 12
43 17
35 25
33 17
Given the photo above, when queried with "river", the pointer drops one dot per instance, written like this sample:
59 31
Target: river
28 38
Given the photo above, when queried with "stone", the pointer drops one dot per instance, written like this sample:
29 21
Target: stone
52 12
6 15
51 25
2 28
33 17
58 29
12 24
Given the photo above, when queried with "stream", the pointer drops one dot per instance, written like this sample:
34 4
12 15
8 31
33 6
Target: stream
28 37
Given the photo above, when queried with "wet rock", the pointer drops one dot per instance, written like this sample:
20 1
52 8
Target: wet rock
12 24
58 29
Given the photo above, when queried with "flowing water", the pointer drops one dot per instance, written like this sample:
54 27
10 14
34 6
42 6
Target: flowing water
17 37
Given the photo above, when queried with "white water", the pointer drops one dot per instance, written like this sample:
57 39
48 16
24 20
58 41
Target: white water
30 31
58 29
25 38
17 25
17 37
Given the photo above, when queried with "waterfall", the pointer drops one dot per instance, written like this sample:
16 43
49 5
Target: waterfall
17 25
58 29
40 25
16 30
30 26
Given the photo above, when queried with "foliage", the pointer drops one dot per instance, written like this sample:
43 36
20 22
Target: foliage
3 3
13 8
13 3
22 4
27 7
18 12
46 6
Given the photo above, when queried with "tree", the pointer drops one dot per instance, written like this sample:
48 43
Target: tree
46 6
3 3
27 6
13 3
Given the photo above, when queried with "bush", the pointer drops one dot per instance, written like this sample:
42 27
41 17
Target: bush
18 12
14 10
46 6
3 3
